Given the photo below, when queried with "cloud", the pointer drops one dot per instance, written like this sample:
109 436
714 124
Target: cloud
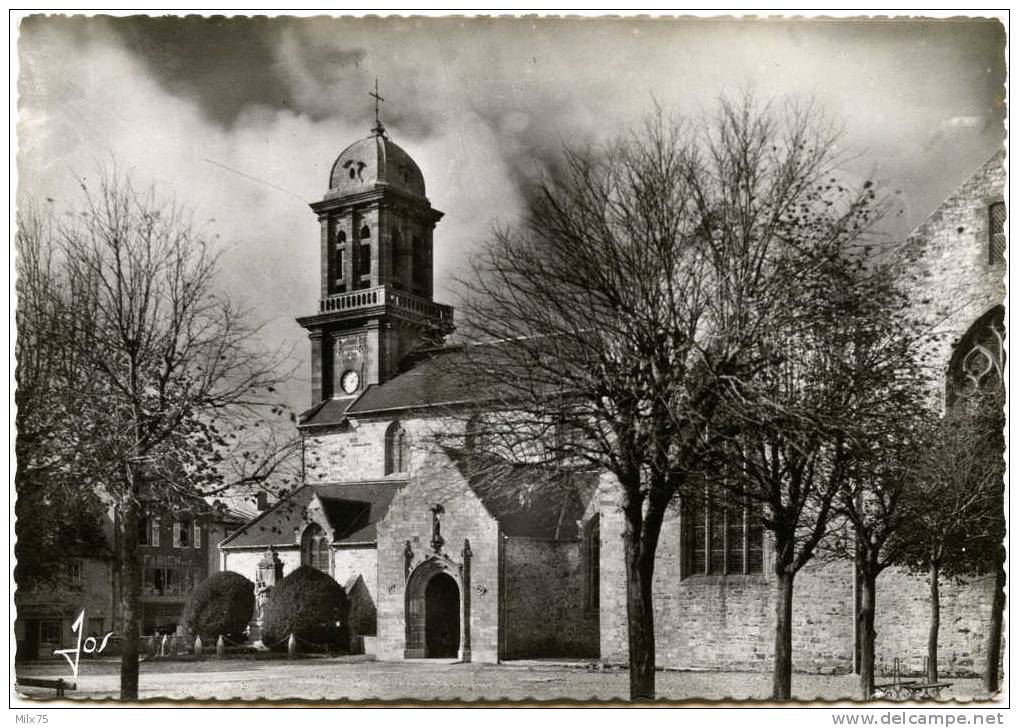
968 122
83 110
483 105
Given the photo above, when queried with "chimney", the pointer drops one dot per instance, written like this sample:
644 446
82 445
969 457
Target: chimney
262 500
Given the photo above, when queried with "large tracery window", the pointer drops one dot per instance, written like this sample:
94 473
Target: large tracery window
977 364
996 233
721 535
315 548
397 449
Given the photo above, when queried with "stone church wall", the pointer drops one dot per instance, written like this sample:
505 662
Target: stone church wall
245 561
727 622
358 453
950 278
348 565
409 520
544 592
903 616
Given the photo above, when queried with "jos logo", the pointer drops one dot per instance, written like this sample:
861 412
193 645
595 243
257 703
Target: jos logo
91 646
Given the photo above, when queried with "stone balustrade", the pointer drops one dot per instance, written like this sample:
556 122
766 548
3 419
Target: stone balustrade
387 296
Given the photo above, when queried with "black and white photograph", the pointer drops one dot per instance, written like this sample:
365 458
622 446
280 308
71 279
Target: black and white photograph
496 358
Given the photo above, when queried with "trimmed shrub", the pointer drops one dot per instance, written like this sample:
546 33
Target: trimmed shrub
311 605
220 605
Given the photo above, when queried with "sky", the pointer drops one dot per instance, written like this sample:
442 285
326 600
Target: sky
240 119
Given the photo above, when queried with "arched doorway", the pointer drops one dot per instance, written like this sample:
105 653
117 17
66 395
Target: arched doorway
436 611
442 616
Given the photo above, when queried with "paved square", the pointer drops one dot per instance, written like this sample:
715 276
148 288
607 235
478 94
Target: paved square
353 678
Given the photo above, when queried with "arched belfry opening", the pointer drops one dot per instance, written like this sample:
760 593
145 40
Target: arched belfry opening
435 612
376 246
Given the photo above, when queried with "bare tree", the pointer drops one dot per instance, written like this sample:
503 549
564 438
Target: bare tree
875 502
807 430
54 516
163 377
637 289
957 511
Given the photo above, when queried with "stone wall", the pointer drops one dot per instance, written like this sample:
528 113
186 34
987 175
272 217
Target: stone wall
903 617
409 521
245 561
544 594
215 532
349 564
357 452
727 622
950 279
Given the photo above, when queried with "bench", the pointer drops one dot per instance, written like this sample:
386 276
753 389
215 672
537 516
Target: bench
896 690
927 691
35 682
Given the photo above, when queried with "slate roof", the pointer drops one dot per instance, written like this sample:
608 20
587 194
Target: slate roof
225 513
535 501
444 376
328 412
352 510
431 382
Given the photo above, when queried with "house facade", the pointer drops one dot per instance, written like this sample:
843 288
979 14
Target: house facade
438 564
175 556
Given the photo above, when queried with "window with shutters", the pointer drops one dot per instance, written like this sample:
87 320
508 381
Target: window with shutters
75 580
181 534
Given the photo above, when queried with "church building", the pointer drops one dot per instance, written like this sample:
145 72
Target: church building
440 564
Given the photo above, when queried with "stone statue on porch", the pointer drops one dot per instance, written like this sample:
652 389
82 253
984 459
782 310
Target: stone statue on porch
437 540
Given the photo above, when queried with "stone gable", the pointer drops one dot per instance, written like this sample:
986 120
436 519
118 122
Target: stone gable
405 544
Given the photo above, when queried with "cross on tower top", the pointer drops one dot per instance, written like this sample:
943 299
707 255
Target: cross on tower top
379 128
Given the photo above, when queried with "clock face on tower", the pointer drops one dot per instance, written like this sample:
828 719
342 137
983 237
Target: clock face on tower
350 381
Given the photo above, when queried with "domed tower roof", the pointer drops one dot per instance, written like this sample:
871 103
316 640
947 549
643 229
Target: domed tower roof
373 162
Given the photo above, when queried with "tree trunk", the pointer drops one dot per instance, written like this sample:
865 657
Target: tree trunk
932 635
130 586
640 542
782 678
868 599
993 667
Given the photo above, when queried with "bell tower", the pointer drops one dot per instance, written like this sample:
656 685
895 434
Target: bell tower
376 301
